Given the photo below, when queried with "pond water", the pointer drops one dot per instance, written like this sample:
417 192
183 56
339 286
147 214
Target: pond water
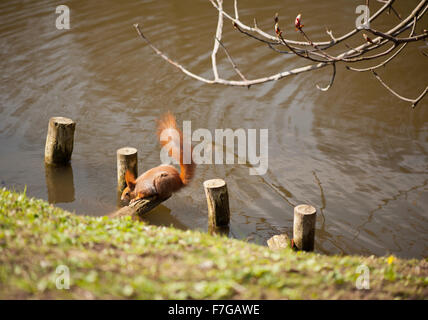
355 152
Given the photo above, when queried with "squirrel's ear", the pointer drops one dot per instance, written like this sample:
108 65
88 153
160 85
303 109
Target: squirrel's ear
130 180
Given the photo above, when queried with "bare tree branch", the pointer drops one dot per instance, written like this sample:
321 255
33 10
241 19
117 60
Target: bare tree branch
165 57
399 40
242 83
318 52
390 58
301 43
217 41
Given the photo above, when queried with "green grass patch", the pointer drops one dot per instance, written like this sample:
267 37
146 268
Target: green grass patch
121 258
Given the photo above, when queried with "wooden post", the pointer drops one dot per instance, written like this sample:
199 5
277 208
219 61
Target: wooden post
218 203
59 141
304 227
127 159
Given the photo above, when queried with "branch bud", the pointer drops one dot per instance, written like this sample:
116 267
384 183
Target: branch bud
298 22
276 27
367 38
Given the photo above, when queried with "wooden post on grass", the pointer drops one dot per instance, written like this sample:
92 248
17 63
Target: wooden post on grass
304 227
59 141
218 203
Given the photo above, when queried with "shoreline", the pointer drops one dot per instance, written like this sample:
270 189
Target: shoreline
121 258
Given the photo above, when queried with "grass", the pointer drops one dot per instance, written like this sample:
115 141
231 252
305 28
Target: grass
121 258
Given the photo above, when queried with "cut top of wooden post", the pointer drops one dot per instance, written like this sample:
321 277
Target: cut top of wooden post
62 121
305 209
126 151
214 183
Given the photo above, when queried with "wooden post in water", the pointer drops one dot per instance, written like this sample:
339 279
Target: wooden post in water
127 159
304 227
59 141
218 203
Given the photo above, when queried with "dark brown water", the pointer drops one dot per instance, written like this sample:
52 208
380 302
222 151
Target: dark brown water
355 152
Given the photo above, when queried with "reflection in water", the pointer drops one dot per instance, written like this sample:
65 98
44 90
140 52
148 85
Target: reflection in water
161 216
119 202
60 184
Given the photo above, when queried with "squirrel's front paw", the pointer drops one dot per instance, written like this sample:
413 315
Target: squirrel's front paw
134 200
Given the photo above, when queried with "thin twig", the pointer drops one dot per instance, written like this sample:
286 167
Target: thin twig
330 33
391 8
331 81
413 101
165 57
399 40
380 64
232 62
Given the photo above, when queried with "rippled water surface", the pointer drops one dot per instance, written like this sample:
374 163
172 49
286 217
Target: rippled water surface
355 152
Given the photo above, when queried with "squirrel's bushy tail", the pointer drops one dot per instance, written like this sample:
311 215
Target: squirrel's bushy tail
167 127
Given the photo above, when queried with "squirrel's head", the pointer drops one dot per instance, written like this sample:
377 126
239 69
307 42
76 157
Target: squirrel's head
129 192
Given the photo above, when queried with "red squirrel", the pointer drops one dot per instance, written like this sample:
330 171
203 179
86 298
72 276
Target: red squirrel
163 180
